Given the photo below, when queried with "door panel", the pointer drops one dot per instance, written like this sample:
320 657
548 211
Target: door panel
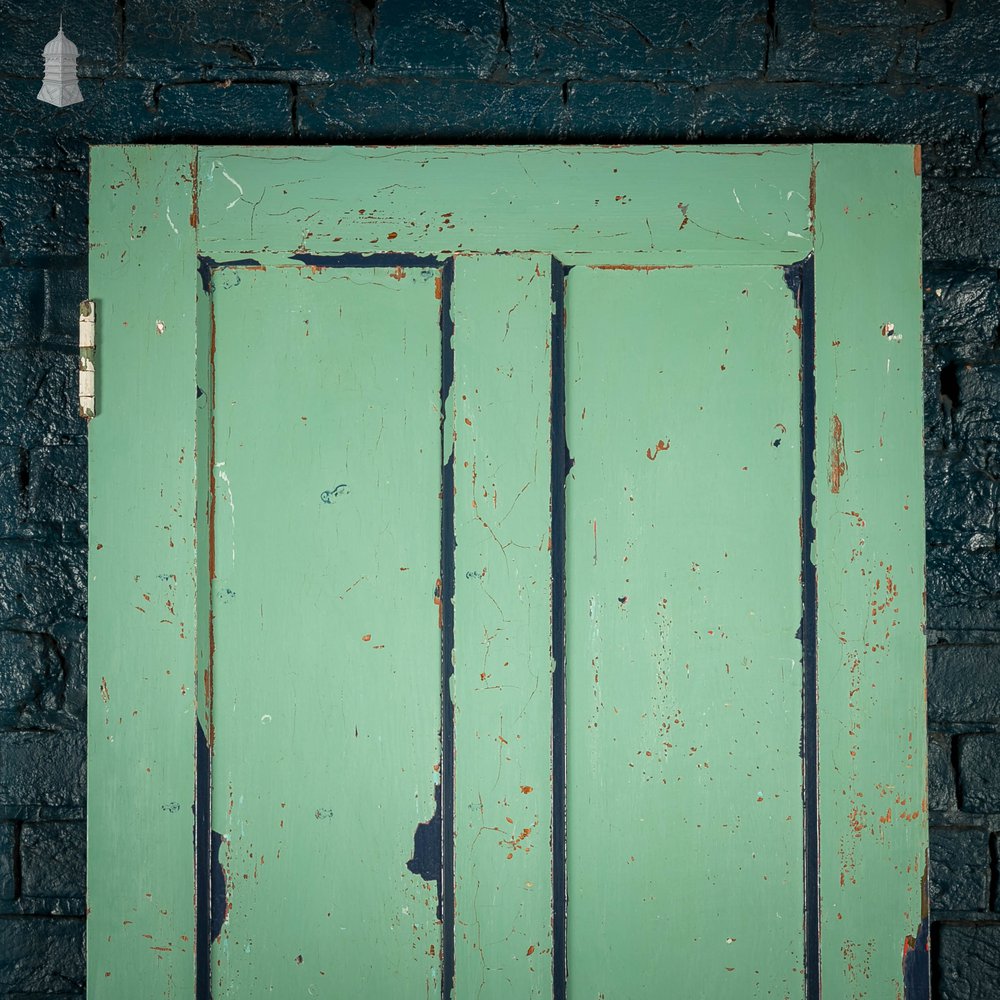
519 559
684 657
326 664
500 407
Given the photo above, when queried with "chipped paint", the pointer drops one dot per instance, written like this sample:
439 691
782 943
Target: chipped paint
838 464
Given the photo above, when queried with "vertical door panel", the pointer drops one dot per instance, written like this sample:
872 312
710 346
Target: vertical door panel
870 565
501 406
142 589
683 663
326 670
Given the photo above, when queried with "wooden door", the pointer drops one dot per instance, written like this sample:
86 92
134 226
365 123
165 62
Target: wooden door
506 573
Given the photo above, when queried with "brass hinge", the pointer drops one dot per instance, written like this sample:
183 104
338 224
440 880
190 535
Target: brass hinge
88 348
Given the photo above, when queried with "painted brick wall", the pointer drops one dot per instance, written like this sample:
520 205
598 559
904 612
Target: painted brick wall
475 71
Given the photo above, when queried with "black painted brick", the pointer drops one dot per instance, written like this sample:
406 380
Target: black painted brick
963 503
959 869
438 38
70 637
968 961
947 121
57 484
962 49
41 955
31 678
631 112
964 684
962 220
53 860
438 110
42 769
978 767
42 213
112 111
962 588
13 470
8 845
65 288
648 40
41 585
38 397
261 111
977 417
879 13
803 51
940 774
962 311
22 294
229 39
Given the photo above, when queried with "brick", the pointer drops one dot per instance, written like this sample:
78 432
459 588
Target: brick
57 485
961 219
940 776
112 111
436 38
961 50
92 25
22 294
229 39
977 417
45 769
252 111
964 683
968 958
960 869
946 120
53 860
41 584
439 110
978 767
42 213
70 637
13 479
31 678
962 588
38 397
631 112
806 51
963 503
962 310
41 956
879 13
8 845
65 289
647 40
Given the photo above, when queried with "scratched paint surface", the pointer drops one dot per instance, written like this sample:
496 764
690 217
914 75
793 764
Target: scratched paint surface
684 669
870 564
327 645
140 923
562 200
499 406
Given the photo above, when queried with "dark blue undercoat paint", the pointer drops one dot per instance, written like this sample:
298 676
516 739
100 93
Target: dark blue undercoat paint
426 860
800 279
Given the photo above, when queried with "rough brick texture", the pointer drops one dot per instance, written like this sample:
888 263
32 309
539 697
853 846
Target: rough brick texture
479 71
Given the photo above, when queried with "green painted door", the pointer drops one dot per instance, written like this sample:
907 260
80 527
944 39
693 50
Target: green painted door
506 574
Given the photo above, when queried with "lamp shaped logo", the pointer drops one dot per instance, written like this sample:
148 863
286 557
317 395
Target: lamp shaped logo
60 86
